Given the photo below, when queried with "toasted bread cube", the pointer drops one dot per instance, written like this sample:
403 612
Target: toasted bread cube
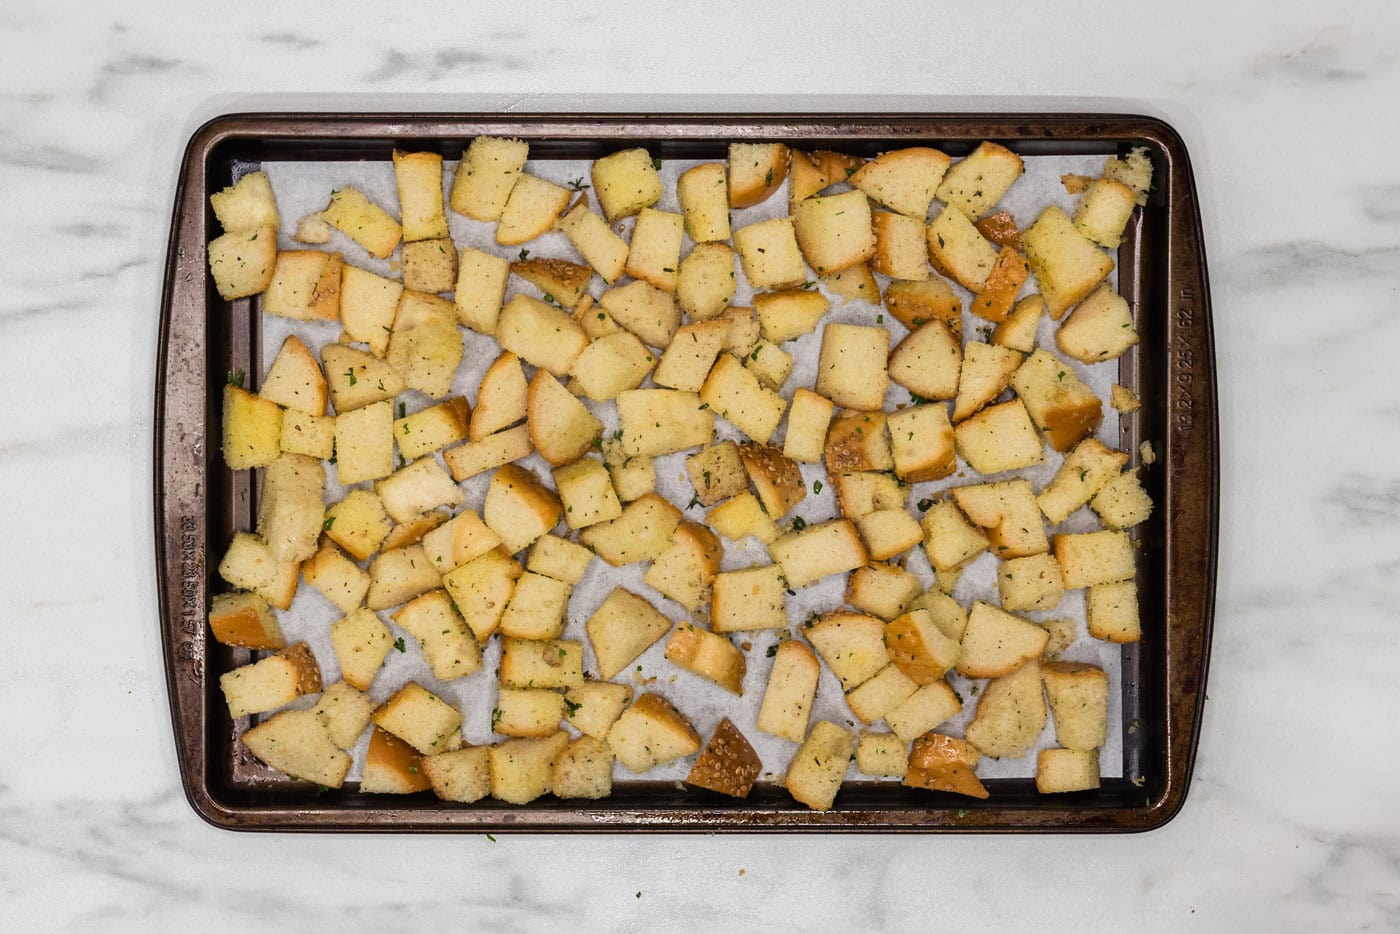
432 428
851 371
792 687
248 204
1113 612
978 182
412 532
252 429
855 283
928 361
650 733
586 491
416 488
817 768
1059 404
810 173
641 533
540 334
485 175
295 743
519 508
663 421
1018 330
743 516
645 310
880 694
1065 770
903 180
1085 471
244 620
462 775
756 170
533 207
852 644
357 523
360 642
708 655
595 241
361 220
344 712
685 571
622 628
788 314
481 289
944 763
583 770
533 663
594 706
430 265
835 232
1100 328
503 447
425 347
916 303
561 281
393 767
809 414
559 558
242 262
1095 558
703 194
448 645
522 769
1008 512
772 365
1067 264
769 253
858 441
1010 714
612 364
882 755
882 590
502 399
860 493
1103 211
364 443
634 478
1030 583
901 251
996 298
625 182
922 443
536 608
367 306
888 532
749 600
357 379
957 247
919 648
1122 502
717 473
268 684
595 322
527 712
826 548
398 575
999 438
986 372
294 380
248 564
1078 696
777 480
305 286
996 643
705 283
655 250
691 355
339 579
728 763
418 176
744 329
736 394
949 539
928 707
481 588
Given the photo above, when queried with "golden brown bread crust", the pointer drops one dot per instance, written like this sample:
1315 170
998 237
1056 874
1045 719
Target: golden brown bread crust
944 763
728 763
994 302
1001 229
776 479
559 279
304 662
392 766
853 443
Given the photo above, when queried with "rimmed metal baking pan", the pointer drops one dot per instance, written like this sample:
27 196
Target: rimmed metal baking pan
199 502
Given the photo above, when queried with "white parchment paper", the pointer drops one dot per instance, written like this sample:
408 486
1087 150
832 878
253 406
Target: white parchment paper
304 187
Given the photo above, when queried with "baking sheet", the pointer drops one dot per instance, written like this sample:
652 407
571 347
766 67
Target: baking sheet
304 187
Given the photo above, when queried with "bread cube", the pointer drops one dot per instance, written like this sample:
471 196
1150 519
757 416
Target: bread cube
742 516
685 571
1064 770
810 173
242 262
540 334
835 232
792 687
398 575
825 548
621 629
749 600
769 253
996 643
360 642
1008 512
1059 404
418 176
999 438
1078 696
717 473
249 565
944 763
916 303
502 398
485 175
1018 330
412 531
756 170
272 682
481 289
819 765
294 380
728 763
536 608
704 198
625 182
882 754
1094 558
772 365
612 364
1113 612
252 429
949 539
859 493
481 588
367 306
744 326
852 644
633 478
650 733
583 770
789 314
559 280
1133 170
1122 502
527 712
393 767
595 241
344 713
357 379
882 590
416 488
928 707
305 286
927 362
1067 264
432 428
900 248
691 354
559 558
519 508
978 182
776 480
957 247
663 421
340 580
468 460
1030 583
995 299
655 250
1085 471
425 347
532 663
244 620
705 282
919 648
594 706
903 180
888 532
294 742
708 655
641 533
361 220
809 414
736 394
858 441
1100 328
645 310
1103 211
448 645
533 208
248 204
1010 714
357 523
922 443
986 372
522 769
462 775
586 492
854 283
851 371
880 694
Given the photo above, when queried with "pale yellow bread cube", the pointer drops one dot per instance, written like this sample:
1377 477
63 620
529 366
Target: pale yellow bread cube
999 438
534 663
367 306
594 706
1078 696
881 693
707 654
1018 330
242 263
485 175
248 564
1008 513
610 365
1103 211
832 547
527 712
561 282
703 192
947 614
996 298
919 648
392 767
928 361
770 255
814 172
481 588
717 472
425 347
691 354
1133 170
361 220
522 769
851 644
1084 472
837 232
295 743
1113 612
583 770
305 286
1121 502
916 303
814 776
958 249
851 368
1067 265
294 380
634 478
641 533
979 181
776 480
744 328
809 415
883 590
940 762
540 334
728 764
492 451
357 379
924 710
272 682
502 398
448 645
742 516
248 204
595 241
292 510
747 600
533 208
985 373
244 620
996 642
950 540
1030 583
559 558
792 687
1010 714
416 488
865 491
344 712
1100 328
755 171
519 508
419 717
903 180
788 314
340 580
704 283
922 442
663 421
418 176
650 733
357 523
858 441
536 608
252 429
735 393
771 364
398 575
855 283
646 311
625 182
882 755
901 251
1091 558
1058 402
685 571
481 289
462 775
433 428
1059 771
360 642
586 492
622 628
655 250
888 532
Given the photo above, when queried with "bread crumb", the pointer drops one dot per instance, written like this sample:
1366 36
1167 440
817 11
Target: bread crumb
741 871
1075 184
1149 454
312 229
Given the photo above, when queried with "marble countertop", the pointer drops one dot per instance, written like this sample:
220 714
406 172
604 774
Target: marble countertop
1293 820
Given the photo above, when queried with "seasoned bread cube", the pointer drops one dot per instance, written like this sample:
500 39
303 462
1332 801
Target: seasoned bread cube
882 590
1010 714
691 354
448 646
411 532
295 743
901 251
743 516
357 379
621 629
978 182
717 472
252 429
957 248
837 232
294 380
432 428
398 575
808 417
248 204
852 644
663 421
527 712
559 558
519 508
522 769
1059 404
708 655
986 372
880 694
425 347
777 480
922 443
340 580
1018 330
817 768
583 770
586 492
536 608
704 197
832 547
560 280
792 687
769 253
1067 264
344 713
861 492
595 322
1113 612
625 182
1122 502
927 362
772 365
305 286
502 399
367 306
728 763
949 539
788 314
1078 696
810 173
705 283
756 170
1030 583
414 489
468 460
418 176
1084 472
485 175
481 588
633 478
419 717
748 600
650 733
851 370
540 334
242 263
903 180
392 767
919 648
1100 328
268 684
1063 770
361 220
595 241
916 303
858 441
594 706
1103 211
932 704
641 533
249 565
645 310
533 207
685 571
999 438
855 283
996 643
533 663
744 328
944 763
462 775
736 394
655 251
882 754
612 364
1094 558
357 523
244 620
481 289
1008 512
888 532
996 298
360 642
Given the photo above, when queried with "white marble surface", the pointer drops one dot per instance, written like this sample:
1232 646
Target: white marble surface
1289 108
